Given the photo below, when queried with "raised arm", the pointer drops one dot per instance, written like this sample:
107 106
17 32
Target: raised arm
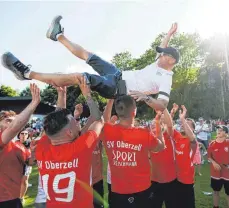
174 110
22 119
108 110
168 122
95 113
188 131
62 96
170 33
158 134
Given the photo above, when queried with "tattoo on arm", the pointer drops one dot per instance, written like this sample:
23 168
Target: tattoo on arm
94 108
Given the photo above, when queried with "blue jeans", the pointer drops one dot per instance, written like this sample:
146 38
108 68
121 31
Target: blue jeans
106 83
204 142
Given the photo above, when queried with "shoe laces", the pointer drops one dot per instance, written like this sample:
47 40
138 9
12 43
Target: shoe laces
20 65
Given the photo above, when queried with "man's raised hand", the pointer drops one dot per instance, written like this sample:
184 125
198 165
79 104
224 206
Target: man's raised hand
173 29
78 110
35 92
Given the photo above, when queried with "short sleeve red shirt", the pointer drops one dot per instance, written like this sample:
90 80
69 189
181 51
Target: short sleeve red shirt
163 162
12 160
65 171
219 152
184 158
127 150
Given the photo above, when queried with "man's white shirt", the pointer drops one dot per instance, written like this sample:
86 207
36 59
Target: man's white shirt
203 134
150 80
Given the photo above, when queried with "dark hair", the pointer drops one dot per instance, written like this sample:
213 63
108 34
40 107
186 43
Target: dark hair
18 136
54 122
193 122
124 106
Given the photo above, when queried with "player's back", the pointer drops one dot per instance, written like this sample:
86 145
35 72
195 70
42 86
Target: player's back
127 150
65 171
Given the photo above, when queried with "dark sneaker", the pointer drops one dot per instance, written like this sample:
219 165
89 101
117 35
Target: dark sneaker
12 63
55 28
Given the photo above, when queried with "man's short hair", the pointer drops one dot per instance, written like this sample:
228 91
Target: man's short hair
6 114
193 122
54 122
124 106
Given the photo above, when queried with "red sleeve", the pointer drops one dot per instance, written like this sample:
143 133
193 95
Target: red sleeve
89 139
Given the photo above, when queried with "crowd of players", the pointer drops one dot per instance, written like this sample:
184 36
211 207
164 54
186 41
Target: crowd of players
147 166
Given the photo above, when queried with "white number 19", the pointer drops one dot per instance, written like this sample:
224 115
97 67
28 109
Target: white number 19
69 190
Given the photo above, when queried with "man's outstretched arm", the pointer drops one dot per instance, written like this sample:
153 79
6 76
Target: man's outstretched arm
170 33
22 119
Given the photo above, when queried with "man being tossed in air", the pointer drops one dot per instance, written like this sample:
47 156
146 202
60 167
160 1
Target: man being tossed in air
153 79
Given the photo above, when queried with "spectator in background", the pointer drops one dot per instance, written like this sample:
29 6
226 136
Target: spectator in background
202 131
23 138
40 201
14 155
218 155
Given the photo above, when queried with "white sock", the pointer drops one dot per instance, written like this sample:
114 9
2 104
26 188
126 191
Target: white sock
58 35
26 74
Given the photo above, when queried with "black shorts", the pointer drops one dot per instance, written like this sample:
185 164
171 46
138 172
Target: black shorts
164 193
135 200
186 195
15 203
109 193
217 185
98 194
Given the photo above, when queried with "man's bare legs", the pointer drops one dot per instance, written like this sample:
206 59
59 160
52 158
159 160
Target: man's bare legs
76 49
63 79
57 79
216 198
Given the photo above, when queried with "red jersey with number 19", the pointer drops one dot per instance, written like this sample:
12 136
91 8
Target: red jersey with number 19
65 171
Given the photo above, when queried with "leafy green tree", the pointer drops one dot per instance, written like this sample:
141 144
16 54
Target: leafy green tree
6 91
26 92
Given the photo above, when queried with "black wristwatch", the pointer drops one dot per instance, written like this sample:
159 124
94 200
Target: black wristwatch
147 99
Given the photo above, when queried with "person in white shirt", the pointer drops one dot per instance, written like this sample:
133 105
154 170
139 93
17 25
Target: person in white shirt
153 79
40 201
202 130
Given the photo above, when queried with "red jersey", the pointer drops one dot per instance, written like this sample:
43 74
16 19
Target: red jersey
97 163
65 171
219 152
12 160
127 150
184 158
163 162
